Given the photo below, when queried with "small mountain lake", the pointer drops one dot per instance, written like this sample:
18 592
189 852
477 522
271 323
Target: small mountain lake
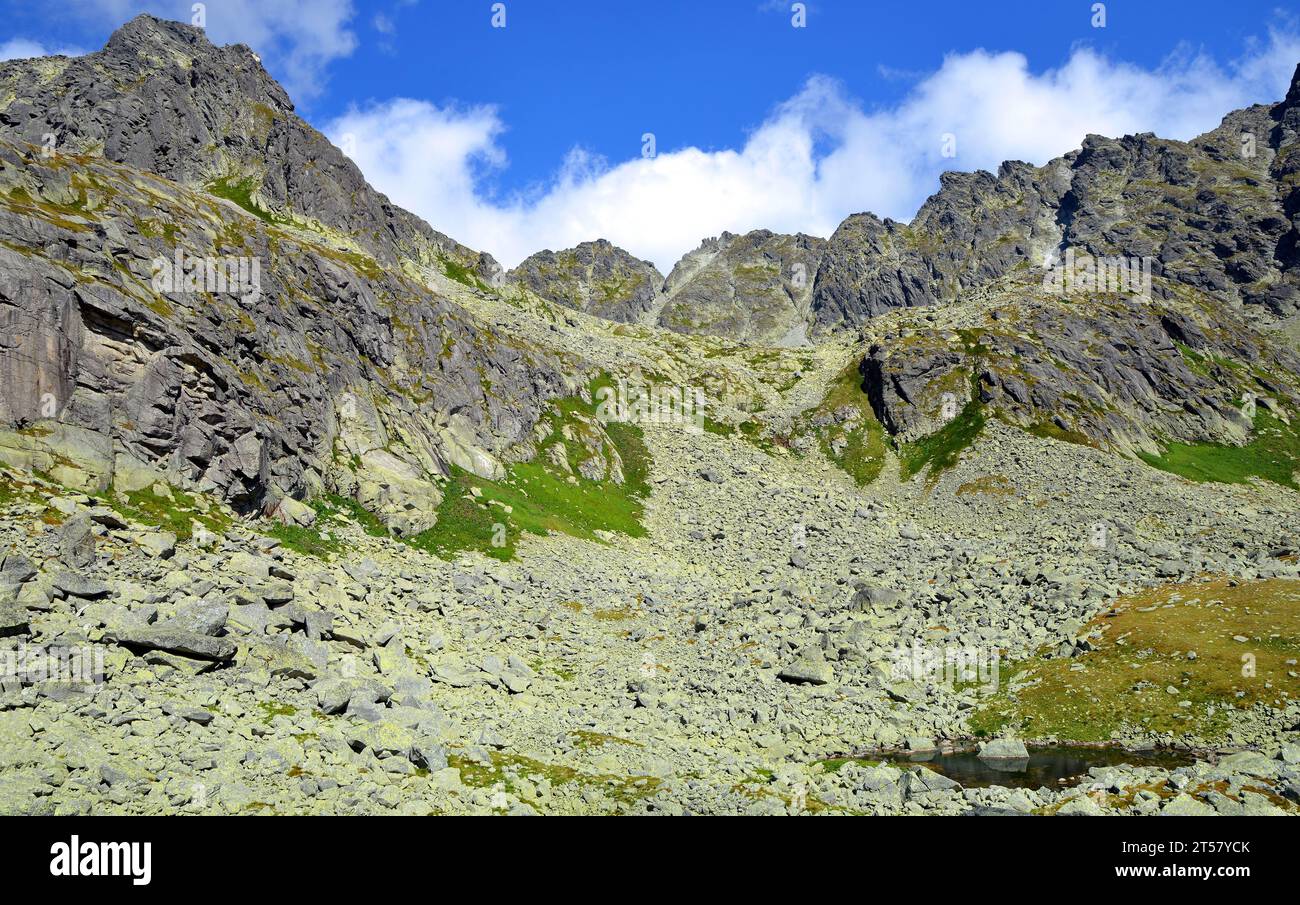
1051 766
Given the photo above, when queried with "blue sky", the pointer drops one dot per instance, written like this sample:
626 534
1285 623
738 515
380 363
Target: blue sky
531 135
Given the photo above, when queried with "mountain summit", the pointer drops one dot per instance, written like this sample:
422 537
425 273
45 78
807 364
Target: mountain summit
161 97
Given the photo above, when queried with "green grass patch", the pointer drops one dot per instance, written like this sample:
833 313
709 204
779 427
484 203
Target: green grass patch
560 671
457 271
1206 363
1049 430
272 709
857 443
942 449
466 522
177 513
1143 651
721 428
1273 454
333 507
321 539
10 492
499 773
538 497
309 541
994 485
585 739
748 430
240 191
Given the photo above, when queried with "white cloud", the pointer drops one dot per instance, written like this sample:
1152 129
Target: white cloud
296 39
817 158
23 49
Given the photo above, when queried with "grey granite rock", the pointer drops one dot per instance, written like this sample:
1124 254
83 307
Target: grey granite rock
596 277
754 288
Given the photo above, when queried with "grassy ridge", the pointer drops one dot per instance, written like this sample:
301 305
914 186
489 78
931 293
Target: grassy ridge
1181 637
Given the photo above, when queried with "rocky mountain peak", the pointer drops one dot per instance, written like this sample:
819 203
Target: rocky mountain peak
1292 98
158 44
1212 214
597 277
161 97
755 287
146 36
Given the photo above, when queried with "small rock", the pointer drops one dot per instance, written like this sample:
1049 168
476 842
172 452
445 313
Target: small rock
158 544
13 619
809 668
77 542
1185 805
73 584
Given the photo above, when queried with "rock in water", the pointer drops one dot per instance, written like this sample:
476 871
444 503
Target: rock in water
1003 749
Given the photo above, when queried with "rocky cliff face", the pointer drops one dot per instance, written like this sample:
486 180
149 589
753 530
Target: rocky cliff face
596 277
1114 371
262 345
1217 214
345 371
754 288
1125 296
974 229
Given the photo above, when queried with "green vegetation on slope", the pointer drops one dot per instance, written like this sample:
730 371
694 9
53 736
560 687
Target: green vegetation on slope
321 539
1273 454
240 191
176 511
846 428
505 768
1049 430
941 449
1182 637
749 430
538 497
462 274
309 541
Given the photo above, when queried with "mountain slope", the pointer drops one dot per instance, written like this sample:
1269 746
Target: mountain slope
680 615
334 367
